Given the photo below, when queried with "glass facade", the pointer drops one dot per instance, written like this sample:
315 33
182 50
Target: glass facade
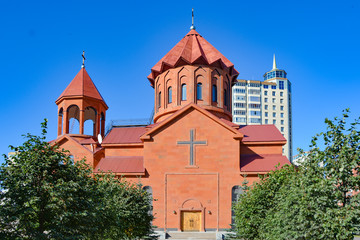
274 74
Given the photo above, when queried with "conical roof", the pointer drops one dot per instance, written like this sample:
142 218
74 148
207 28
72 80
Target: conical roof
81 86
192 49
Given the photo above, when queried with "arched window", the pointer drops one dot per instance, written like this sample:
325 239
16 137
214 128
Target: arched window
102 122
73 113
214 93
148 189
183 92
169 95
199 91
236 191
225 97
90 121
60 121
159 100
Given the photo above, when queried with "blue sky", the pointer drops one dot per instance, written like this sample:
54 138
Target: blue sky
41 42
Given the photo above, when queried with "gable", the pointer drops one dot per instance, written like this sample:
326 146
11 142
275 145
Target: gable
75 148
192 139
191 110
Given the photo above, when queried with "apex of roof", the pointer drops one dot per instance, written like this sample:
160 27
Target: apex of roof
192 49
81 86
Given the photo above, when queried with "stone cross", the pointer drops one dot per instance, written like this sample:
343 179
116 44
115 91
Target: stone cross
192 144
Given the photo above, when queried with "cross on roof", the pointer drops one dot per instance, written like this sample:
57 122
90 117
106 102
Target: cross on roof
83 56
192 144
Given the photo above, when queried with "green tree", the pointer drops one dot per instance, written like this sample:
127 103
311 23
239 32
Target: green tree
126 209
315 201
45 195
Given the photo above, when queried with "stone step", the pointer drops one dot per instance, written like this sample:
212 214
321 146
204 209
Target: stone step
191 235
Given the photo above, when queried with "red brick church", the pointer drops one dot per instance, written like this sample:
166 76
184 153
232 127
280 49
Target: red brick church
193 158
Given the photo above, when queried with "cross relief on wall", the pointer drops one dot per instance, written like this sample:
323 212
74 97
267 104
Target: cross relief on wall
192 143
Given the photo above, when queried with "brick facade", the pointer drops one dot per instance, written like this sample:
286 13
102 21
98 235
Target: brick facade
181 180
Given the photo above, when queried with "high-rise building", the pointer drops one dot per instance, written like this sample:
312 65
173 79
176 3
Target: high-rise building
265 102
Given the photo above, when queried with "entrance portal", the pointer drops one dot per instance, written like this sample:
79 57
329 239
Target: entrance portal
190 221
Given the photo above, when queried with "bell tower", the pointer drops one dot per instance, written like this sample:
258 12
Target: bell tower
81 102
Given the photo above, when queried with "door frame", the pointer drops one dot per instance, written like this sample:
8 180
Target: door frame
202 217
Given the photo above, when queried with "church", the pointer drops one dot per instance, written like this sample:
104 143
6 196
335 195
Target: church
193 158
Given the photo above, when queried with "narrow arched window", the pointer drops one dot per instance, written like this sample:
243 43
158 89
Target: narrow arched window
199 91
159 100
183 92
169 95
236 191
148 189
225 97
214 93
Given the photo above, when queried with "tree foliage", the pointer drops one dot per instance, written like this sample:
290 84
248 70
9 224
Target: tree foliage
315 200
45 195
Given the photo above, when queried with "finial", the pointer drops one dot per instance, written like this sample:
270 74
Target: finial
274 63
192 22
83 56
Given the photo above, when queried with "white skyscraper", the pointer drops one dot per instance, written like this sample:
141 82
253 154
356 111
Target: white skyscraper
265 102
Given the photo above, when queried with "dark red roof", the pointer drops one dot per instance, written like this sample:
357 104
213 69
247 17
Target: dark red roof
261 133
122 135
261 163
192 49
81 85
123 164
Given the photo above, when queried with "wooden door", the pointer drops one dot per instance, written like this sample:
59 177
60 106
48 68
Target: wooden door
190 221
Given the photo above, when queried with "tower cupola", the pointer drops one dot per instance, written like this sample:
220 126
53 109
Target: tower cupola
81 102
274 72
193 71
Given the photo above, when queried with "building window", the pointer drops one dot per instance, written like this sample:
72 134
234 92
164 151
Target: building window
282 115
236 191
274 114
254 113
240 105
265 93
273 87
273 93
239 112
240 90
282 122
274 100
183 92
274 107
281 100
282 108
159 100
254 91
281 94
240 119
274 121
282 129
240 98
170 95
214 93
199 91
266 121
266 107
252 105
265 100
281 85
255 120
225 98
254 98
266 114
266 86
